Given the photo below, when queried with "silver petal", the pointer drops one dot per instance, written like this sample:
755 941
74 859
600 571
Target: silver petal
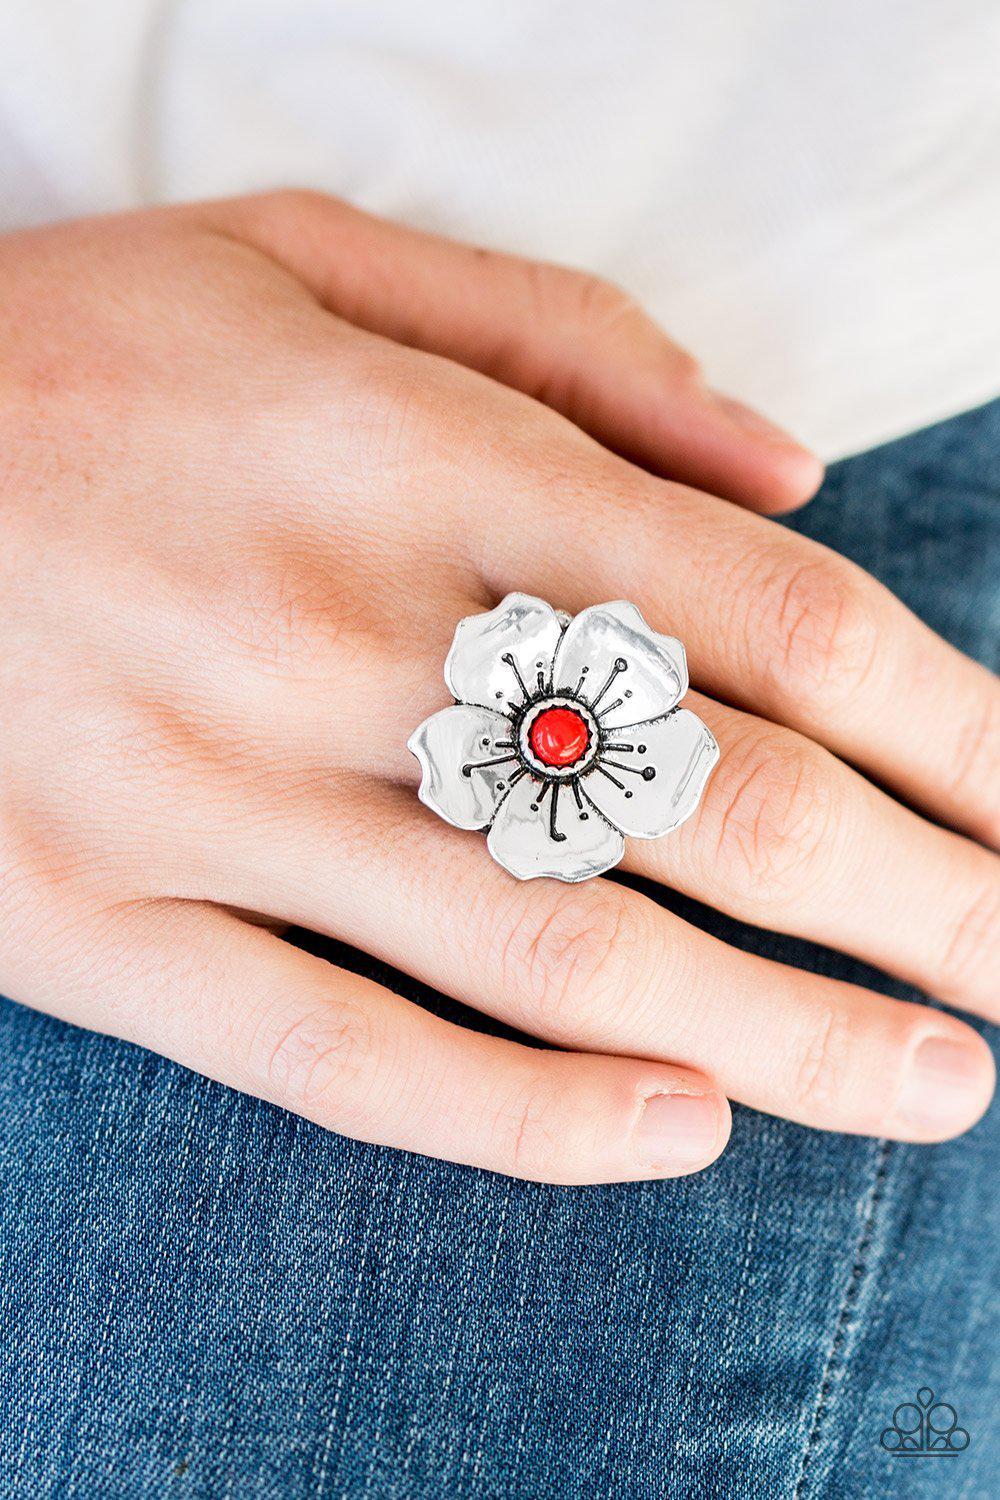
456 741
521 837
650 777
598 639
524 630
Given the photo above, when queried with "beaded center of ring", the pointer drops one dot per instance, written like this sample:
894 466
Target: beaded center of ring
559 737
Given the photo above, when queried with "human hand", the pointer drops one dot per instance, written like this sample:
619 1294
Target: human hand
245 501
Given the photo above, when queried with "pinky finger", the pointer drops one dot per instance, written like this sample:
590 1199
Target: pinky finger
235 1002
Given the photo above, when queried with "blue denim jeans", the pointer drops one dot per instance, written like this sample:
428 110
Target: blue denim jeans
203 1296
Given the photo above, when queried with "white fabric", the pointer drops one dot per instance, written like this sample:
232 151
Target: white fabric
806 194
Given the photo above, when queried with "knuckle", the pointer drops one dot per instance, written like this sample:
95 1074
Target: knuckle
21 911
407 417
528 1138
292 621
972 949
599 304
290 202
568 964
319 1064
974 764
821 1077
293 197
686 368
777 803
822 619
606 308
274 210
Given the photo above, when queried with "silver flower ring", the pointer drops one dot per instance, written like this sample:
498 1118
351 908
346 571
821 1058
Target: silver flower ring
565 736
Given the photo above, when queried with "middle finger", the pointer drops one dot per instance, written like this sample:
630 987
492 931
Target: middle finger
773 622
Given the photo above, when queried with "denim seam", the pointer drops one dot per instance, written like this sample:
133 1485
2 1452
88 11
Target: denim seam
860 1270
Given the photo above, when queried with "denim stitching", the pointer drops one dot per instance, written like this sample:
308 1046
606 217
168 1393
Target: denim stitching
845 1317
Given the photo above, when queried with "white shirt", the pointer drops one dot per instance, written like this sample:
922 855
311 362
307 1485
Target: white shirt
806 195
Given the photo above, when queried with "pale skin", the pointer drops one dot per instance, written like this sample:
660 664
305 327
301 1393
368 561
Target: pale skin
259 457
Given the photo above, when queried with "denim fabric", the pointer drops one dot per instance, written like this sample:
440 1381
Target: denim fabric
205 1297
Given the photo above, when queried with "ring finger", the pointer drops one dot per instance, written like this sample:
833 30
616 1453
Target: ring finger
790 838
787 837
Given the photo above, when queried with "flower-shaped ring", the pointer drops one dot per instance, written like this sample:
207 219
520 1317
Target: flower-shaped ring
565 736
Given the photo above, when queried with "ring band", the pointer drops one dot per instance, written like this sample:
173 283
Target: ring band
565 736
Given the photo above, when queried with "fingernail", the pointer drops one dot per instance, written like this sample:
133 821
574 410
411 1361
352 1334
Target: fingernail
677 1130
943 1086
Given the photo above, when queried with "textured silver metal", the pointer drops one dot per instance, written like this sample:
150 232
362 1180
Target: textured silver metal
641 770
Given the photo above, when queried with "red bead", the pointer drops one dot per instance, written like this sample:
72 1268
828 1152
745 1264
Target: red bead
559 737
